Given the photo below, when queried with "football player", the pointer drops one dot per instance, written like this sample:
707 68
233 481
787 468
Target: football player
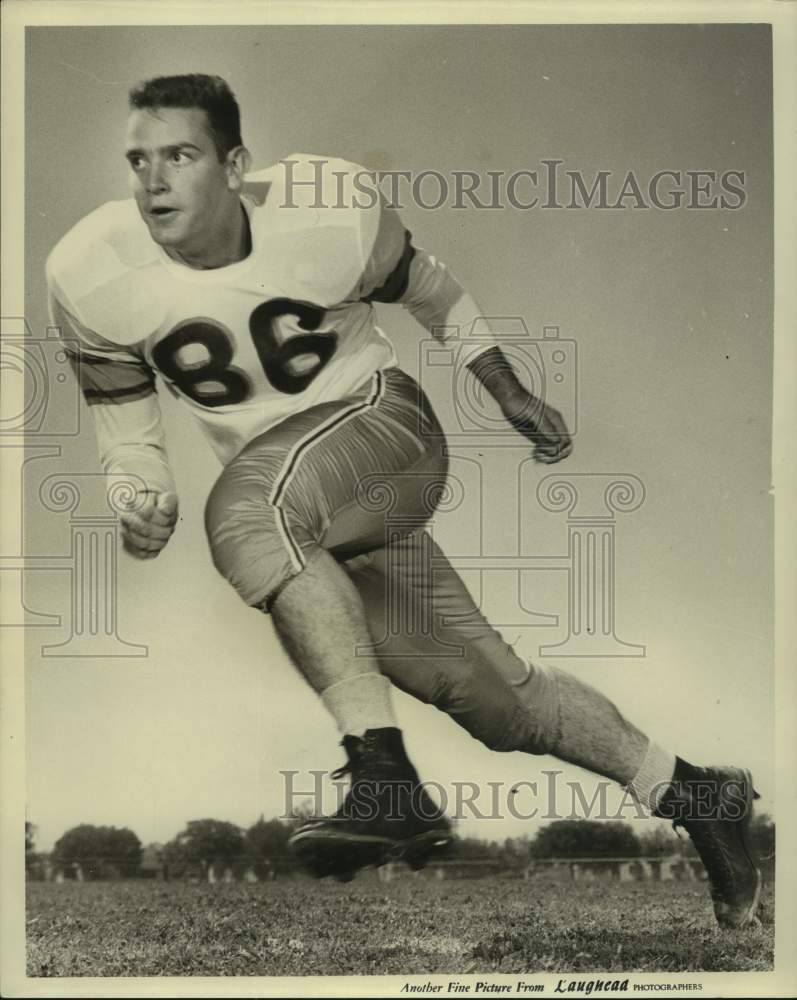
251 296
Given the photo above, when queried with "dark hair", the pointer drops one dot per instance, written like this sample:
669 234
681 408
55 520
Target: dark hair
196 90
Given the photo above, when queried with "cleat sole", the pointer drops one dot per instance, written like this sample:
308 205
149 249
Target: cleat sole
342 854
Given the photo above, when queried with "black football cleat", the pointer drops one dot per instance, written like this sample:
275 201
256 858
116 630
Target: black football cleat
387 815
716 812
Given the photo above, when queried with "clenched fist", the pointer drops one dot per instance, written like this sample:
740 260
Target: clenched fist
541 424
146 530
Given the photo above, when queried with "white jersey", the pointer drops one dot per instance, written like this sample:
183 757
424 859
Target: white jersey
246 345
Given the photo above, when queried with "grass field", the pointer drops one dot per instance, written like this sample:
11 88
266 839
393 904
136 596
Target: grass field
409 926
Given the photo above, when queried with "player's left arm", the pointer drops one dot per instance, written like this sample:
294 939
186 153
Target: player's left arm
426 287
536 420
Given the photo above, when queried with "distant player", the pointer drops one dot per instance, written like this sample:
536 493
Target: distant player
251 297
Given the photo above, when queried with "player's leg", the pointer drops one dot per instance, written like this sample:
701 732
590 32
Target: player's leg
271 509
320 621
511 705
270 519
421 615
431 640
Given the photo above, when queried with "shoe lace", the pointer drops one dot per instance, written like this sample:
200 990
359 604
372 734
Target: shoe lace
364 765
366 771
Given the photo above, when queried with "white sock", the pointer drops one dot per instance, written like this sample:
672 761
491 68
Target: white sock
360 703
653 777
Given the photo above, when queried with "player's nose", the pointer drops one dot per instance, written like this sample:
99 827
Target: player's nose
155 179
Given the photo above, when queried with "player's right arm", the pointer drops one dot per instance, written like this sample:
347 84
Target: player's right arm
119 388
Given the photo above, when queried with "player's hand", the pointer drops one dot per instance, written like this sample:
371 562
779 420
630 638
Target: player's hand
541 424
149 527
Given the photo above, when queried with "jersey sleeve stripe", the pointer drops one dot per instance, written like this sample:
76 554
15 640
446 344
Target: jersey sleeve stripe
111 379
397 281
90 359
94 396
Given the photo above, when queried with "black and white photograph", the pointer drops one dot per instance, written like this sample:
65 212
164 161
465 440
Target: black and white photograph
397 500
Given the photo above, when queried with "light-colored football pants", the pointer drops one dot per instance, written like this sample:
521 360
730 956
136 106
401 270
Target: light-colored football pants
361 477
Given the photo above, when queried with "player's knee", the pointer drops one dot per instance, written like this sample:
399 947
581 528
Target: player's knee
511 716
539 694
245 545
477 697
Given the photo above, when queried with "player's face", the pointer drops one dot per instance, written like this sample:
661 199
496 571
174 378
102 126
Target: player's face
184 193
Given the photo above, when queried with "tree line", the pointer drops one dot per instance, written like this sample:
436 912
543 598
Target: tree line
110 852
102 852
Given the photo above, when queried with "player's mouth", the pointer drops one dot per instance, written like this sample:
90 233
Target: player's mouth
162 213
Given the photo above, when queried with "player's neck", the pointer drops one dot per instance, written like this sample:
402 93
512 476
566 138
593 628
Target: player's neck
232 244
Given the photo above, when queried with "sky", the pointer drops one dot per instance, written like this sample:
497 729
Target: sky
671 316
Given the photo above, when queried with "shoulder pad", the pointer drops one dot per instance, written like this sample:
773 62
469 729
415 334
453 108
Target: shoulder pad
98 272
325 212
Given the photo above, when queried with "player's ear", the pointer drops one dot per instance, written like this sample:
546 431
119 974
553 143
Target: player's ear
237 163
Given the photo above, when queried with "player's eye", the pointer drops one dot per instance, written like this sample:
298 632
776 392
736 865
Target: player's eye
136 162
180 158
